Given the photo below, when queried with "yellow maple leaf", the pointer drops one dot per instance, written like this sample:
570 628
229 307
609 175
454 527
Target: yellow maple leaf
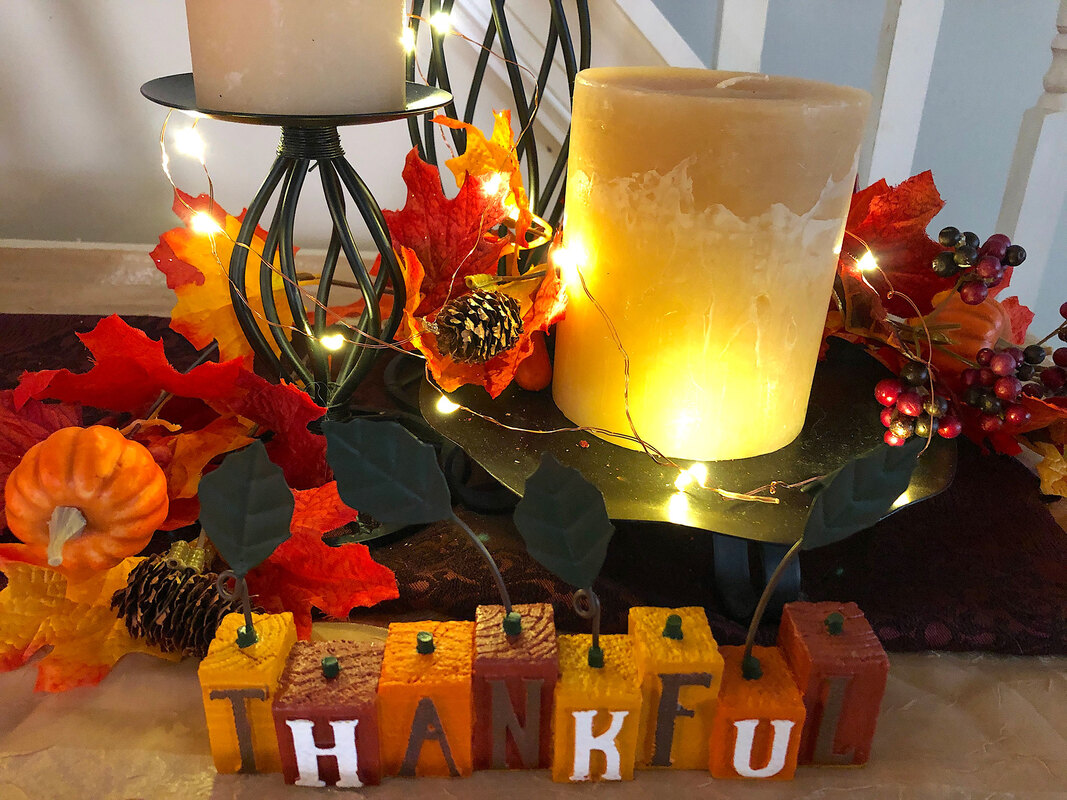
1052 469
196 266
38 609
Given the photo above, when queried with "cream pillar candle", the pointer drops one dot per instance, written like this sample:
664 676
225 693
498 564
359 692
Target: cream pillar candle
303 57
704 210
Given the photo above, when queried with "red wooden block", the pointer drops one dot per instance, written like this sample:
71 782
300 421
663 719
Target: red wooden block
514 683
328 726
842 673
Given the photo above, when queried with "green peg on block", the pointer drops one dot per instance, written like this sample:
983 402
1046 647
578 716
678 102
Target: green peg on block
835 624
513 623
424 643
246 636
331 667
673 628
596 657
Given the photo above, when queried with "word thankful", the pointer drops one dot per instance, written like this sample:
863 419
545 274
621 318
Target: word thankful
444 698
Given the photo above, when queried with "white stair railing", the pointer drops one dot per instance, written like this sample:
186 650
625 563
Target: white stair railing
1037 182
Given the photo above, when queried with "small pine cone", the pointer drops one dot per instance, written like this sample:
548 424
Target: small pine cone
477 326
172 607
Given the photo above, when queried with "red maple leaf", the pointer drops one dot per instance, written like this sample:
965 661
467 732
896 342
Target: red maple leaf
23 428
1020 317
451 238
305 571
892 222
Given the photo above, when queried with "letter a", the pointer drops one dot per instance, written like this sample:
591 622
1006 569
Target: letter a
344 750
585 743
746 731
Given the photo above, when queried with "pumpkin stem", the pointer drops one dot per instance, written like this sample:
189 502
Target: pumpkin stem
66 523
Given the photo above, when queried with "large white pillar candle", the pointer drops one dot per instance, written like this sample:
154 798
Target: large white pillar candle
302 57
705 210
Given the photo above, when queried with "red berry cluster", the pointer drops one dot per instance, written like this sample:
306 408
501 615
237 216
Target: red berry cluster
1041 379
979 267
995 385
910 409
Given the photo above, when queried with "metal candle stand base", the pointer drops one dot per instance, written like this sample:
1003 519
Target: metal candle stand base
298 353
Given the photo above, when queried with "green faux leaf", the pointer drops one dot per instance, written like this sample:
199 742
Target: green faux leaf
859 494
246 507
384 471
564 523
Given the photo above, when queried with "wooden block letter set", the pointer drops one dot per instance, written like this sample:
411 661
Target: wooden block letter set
326 714
424 697
598 711
841 668
679 668
514 683
238 685
756 732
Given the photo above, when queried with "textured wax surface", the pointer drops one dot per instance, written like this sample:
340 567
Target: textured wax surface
765 697
450 662
618 676
856 642
535 645
303 683
263 660
655 652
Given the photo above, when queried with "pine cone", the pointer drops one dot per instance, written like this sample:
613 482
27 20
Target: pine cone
174 607
477 326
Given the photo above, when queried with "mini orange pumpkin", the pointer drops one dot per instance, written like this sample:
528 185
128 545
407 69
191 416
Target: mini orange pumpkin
84 499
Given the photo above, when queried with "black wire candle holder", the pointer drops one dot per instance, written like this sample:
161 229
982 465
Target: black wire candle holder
545 197
301 355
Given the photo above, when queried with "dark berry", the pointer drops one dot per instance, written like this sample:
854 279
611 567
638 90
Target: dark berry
1059 356
892 439
1003 363
1016 415
996 245
886 417
1008 387
1061 334
990 404
965 255
910 404
986 376
949 428
1016 353
1034 354
1063 311
1033 390
914 373
936 406
984 356
1053 377
973 292
949 237
970 238
1014 255
944 265
1025 372
970 377
923 426
990 423
902 427
973 396
989 270
887 391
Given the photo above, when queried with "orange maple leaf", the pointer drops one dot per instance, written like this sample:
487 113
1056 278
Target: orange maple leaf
38 609
493 156
196 266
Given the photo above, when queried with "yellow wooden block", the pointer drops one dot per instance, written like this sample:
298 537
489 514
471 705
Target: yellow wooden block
598 711
238 686
680 679
424 700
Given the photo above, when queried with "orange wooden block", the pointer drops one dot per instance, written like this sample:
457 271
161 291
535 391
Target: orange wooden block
757 727
680 670
841 668
598 711
424 700
238 686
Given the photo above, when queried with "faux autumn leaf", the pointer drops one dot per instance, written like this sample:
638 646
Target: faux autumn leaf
493 156
1020 317
540 311
196 266
129 371
451 238
305 572
1052 469
38 610
892 222
22 429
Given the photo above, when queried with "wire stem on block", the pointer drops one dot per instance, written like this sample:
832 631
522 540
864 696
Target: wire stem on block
505 598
